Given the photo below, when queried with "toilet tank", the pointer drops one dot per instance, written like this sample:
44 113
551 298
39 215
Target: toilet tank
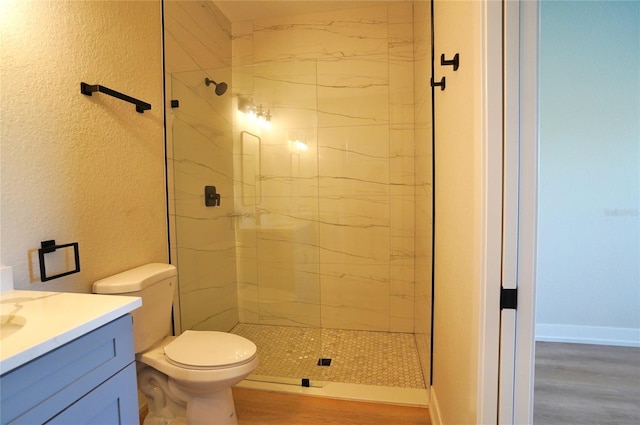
155 284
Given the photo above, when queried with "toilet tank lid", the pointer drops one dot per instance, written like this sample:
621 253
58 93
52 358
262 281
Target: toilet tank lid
135 279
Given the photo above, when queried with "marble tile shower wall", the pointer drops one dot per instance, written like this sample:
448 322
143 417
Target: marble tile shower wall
423 182
329 240
198 40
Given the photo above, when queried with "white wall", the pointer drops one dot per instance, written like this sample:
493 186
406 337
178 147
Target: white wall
463 210
588 278
76 168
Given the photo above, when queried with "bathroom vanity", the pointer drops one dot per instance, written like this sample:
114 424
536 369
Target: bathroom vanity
67 358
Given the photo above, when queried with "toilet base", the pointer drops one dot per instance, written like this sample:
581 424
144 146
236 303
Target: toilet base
170 404
203 408
163 407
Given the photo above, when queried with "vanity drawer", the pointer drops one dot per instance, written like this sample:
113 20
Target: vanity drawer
40 389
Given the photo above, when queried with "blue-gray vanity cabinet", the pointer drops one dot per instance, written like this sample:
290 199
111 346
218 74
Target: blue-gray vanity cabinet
90 380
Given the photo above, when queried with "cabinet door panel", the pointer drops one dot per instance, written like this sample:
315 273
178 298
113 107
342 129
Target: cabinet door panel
113 403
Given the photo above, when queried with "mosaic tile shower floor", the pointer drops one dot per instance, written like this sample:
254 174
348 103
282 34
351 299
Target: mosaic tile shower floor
357 357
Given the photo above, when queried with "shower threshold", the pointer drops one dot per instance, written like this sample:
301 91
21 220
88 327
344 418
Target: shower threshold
357 392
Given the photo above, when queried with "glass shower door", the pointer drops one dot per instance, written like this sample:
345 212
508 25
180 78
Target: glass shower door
250 265
276 181
203 247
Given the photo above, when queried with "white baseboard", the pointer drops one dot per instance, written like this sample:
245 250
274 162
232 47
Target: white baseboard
434 409
599 335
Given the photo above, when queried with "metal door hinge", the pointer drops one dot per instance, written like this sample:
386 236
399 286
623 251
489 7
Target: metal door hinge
508 298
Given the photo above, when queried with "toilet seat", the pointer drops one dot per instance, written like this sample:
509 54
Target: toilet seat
207 350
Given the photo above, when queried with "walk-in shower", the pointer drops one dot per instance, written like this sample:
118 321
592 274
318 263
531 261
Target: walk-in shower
319 248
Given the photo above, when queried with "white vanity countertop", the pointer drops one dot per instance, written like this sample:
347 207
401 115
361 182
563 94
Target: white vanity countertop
35 322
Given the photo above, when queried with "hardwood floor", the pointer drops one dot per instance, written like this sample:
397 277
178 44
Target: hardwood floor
255 407
586 384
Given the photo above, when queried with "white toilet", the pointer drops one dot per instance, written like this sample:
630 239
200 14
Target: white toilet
186 379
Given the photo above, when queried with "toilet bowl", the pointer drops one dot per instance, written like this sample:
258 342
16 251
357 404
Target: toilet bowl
186 379
201 367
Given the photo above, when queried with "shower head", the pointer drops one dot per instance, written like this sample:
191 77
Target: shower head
221 87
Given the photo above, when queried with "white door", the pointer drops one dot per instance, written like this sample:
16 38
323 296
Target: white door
520 208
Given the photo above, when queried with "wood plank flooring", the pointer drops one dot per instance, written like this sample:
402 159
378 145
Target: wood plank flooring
586 384
255 407
574 384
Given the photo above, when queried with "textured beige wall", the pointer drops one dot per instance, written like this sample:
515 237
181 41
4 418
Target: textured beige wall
76 168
